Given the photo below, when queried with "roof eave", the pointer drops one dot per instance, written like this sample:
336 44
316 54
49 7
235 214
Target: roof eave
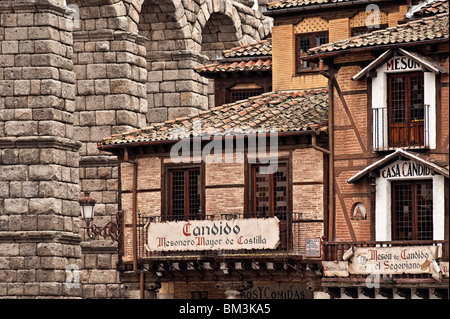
117 146
273 12
387 159
333 54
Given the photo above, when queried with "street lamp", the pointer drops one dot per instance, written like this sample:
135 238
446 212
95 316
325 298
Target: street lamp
112 229
87 204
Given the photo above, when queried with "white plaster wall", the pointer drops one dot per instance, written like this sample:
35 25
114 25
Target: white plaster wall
379 100
383 209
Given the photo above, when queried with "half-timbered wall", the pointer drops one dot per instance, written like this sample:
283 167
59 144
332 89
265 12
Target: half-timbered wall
227 189
352 139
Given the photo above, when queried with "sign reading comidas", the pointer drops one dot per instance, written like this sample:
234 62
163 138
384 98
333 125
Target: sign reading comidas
236 234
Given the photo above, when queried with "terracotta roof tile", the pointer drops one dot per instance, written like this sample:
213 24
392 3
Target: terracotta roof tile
250 57
281 111
282 4
427 8
255 49
429 28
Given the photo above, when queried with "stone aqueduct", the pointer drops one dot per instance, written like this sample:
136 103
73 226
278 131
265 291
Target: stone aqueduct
64 87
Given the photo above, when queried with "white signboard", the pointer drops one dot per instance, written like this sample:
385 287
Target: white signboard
236 234
313 248
444 268
335 268
394 260
406 169
402 63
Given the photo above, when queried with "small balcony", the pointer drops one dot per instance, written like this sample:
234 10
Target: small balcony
291 244
406 127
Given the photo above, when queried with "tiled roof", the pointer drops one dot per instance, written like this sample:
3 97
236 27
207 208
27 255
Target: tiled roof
280 111
429 28
282 4
256 49
252 65
256 56
428 7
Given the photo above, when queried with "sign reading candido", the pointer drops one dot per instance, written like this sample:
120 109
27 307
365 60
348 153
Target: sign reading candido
236 234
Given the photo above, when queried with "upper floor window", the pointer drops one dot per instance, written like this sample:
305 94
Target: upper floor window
403 103
243 91
184 193
412 210
270 190
406 109
363 30
306 41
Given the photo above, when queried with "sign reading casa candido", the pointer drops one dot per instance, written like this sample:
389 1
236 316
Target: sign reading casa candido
235 234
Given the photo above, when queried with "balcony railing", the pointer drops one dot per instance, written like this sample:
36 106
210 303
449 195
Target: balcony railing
292 243
393 129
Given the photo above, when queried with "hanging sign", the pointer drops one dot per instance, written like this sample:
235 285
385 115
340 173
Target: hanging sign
335 268
395 260
406 169
236 234
444 268
313 248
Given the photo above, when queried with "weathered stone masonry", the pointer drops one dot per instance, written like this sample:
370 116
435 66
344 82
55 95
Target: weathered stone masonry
127 64
39 179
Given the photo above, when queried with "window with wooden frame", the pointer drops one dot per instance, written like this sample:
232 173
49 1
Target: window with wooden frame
406 109
270 190
243 91
412 210
363 30
184 194
304 42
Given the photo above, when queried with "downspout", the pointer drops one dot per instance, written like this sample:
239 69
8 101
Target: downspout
134 220
331 201
315 146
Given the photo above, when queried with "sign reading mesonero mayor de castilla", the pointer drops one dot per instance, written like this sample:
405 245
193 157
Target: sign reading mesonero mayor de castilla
235 234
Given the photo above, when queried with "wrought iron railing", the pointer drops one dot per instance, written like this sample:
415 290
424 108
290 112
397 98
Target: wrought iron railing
292 241
391 133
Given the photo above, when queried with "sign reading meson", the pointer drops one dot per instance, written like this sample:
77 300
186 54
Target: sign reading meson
388 260
394 260
402 63
236 234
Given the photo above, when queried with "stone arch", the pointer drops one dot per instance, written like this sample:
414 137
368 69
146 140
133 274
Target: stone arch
101 14
219 32
217 27
164 24
184 34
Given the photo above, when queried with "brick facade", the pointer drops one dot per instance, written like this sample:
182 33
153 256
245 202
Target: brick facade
226 191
